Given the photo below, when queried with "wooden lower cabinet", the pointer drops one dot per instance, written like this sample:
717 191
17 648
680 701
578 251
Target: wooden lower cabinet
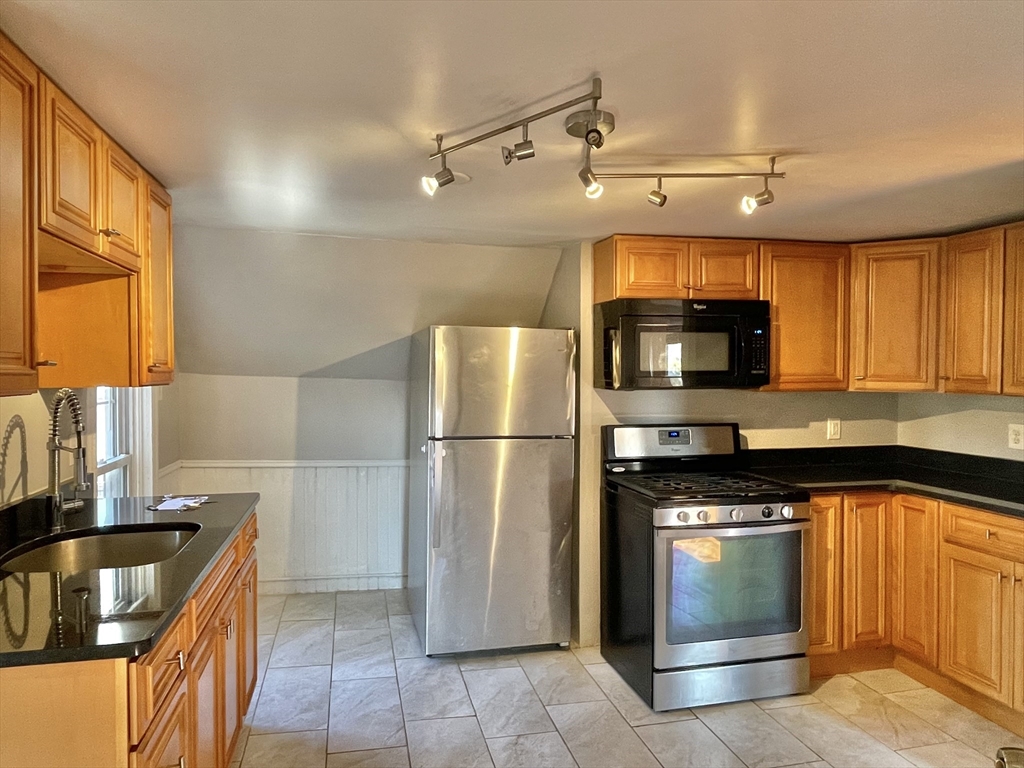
864 570
976 645
249 630
230 659
823 574
204 701
913 582
1018 634
167 742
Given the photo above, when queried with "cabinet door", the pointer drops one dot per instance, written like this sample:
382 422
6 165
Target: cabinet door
973 278
913 576
123 218
822 567
205 700
976 620
248 628
229 660
723 269
1018 634
893 306
156 294
808 287
1013 309
864 608
18 176
651 268
167 740
70 166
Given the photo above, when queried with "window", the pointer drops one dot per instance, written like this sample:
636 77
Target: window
113 444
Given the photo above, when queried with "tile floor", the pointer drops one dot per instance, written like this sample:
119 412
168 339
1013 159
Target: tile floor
342 684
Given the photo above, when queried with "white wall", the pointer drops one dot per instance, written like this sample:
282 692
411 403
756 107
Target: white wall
974 424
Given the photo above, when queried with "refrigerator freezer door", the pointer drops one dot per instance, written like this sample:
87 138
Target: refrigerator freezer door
502 382
499 544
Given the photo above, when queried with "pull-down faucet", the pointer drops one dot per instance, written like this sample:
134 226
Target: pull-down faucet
55 504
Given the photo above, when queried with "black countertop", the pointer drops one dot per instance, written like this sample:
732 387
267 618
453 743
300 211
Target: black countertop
996 485
130 608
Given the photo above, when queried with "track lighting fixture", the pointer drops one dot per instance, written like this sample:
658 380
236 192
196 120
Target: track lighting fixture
750 204
656 196
442 178
589 179
521 151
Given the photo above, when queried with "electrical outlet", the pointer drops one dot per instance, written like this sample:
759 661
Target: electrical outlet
833 429
1016 436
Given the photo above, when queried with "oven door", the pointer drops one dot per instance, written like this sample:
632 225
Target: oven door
698 351
729 594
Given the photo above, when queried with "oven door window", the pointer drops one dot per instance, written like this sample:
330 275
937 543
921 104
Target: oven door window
675 351
725 587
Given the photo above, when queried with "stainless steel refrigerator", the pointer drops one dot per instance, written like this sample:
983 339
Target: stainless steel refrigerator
492 419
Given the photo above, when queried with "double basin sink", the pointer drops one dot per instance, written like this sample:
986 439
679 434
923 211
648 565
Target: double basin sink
89 549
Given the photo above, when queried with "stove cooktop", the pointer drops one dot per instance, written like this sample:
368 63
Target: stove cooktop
692 486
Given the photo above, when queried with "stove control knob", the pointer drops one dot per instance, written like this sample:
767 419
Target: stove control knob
736 514
683 517
766 511
787 511
703 516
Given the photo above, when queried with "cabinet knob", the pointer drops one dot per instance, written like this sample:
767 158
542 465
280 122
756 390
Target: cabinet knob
46 364
110 232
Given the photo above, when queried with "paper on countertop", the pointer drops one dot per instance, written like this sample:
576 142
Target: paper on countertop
180 503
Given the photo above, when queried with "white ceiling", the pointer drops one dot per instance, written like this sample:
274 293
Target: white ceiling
891 118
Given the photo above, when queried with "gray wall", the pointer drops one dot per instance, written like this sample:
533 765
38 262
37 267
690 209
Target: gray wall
975 424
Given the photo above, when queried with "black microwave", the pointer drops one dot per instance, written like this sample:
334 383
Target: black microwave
681 344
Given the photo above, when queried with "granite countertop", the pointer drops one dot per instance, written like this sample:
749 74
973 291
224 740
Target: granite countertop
129 608
996 485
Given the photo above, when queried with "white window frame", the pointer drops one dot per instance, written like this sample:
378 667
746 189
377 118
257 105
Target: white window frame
135 439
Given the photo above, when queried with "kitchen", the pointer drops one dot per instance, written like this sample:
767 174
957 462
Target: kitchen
250 329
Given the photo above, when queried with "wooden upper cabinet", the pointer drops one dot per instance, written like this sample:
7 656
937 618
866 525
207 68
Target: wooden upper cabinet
913 576
640 268
18 176
124 207
976 645
893 312
723 269
156 294
637 267
808 287
71 170
864 570
1013 317
973 304
823 574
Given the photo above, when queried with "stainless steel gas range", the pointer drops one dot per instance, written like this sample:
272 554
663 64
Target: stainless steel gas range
702 569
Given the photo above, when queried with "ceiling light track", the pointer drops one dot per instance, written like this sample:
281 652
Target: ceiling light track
748 205
593 125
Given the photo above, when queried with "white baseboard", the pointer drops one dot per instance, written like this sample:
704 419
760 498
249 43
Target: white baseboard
330 584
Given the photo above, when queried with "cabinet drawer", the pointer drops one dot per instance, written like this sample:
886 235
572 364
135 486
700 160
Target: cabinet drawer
216 583
167 743
153 676
983 531
247 538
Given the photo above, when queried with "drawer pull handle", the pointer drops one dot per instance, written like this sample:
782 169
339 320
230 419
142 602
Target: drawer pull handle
178 659
46 364
694 287
181 761
1017 579
999 578
229 629
988 533
859 378
110 232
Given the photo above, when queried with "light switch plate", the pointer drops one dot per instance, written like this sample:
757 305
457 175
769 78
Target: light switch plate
833 429
1015 439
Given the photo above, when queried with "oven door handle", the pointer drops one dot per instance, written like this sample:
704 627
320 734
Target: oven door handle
706 533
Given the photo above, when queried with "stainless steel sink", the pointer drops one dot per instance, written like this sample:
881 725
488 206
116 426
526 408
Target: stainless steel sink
91 550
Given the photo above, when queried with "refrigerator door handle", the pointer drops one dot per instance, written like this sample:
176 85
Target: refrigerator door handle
437 454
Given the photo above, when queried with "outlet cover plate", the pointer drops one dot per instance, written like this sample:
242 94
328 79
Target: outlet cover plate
833 429
1015 437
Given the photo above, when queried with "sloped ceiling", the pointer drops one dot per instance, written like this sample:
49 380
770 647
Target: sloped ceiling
891 117
280 304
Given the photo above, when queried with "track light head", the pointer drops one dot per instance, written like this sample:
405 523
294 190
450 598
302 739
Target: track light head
507 155
656 196
523 150
593 186
750 204
442 178
429 185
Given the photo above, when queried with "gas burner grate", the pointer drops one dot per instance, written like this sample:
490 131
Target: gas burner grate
703 485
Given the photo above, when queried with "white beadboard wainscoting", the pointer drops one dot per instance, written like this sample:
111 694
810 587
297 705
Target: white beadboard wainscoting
324 525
